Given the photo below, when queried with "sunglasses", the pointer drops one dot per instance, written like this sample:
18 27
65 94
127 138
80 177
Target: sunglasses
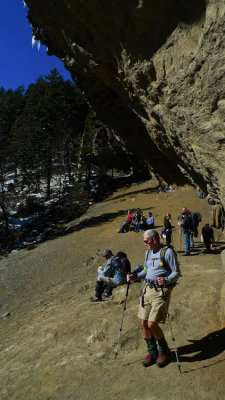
147 241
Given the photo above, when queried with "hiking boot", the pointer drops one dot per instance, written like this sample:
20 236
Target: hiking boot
163 358
95 299
149 360
106 296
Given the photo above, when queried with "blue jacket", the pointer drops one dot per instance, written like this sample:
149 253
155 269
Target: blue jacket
114 269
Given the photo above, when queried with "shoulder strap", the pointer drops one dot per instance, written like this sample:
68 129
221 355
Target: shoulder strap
163 263
162 256
146 259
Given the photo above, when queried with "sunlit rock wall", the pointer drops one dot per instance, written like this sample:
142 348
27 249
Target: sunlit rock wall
154 71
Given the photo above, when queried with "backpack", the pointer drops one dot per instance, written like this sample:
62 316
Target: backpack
199 217
196 218
162 257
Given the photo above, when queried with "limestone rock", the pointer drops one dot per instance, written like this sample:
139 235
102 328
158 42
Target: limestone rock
153 71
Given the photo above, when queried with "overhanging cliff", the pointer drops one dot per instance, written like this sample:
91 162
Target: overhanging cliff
154 71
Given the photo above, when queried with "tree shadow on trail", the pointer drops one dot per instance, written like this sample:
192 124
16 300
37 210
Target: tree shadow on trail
206 348
134 192
95 221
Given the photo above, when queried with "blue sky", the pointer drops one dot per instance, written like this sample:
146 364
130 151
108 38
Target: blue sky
20 64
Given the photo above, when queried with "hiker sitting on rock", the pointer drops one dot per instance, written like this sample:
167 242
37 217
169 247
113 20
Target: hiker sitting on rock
124 260
127 222
160 269
113 275
150 221
140 225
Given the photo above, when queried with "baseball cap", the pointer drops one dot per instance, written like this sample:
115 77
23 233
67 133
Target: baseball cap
105 252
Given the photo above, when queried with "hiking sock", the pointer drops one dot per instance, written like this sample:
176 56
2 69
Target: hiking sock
162 345
99 289
151 346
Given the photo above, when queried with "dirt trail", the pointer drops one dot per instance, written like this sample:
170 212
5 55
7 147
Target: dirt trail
56 345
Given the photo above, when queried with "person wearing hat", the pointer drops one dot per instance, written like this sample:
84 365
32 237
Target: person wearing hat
113 275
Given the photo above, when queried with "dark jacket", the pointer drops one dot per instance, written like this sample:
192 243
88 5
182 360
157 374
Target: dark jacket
196 218
207 233
167 225
187 224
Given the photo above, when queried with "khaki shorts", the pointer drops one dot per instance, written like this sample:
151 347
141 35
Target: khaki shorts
154 308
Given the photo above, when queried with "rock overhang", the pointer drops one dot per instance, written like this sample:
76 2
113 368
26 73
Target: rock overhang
154 72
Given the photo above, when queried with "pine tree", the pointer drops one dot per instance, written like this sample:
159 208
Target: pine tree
11 104
47 131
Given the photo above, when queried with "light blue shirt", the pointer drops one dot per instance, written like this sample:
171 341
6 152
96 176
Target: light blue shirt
150 221
152 268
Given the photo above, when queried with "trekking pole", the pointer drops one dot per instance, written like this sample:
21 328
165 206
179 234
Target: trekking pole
124 309
173 338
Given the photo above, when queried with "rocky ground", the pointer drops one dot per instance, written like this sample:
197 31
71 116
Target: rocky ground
55 344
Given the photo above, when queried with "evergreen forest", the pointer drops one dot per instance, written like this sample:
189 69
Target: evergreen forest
56 157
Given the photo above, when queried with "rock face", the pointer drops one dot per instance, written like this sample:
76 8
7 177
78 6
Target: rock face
153 71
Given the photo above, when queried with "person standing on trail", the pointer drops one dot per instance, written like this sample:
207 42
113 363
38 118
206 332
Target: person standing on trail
161 269
187 226
168 228
208 237
113 275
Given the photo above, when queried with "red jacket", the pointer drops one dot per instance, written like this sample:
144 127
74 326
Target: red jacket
129 218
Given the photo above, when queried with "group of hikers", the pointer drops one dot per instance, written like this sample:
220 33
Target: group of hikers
137 222
159 275
188 220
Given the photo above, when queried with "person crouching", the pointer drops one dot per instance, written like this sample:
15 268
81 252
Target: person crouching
113 275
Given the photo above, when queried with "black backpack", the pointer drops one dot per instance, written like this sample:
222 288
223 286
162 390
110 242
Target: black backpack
196 218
